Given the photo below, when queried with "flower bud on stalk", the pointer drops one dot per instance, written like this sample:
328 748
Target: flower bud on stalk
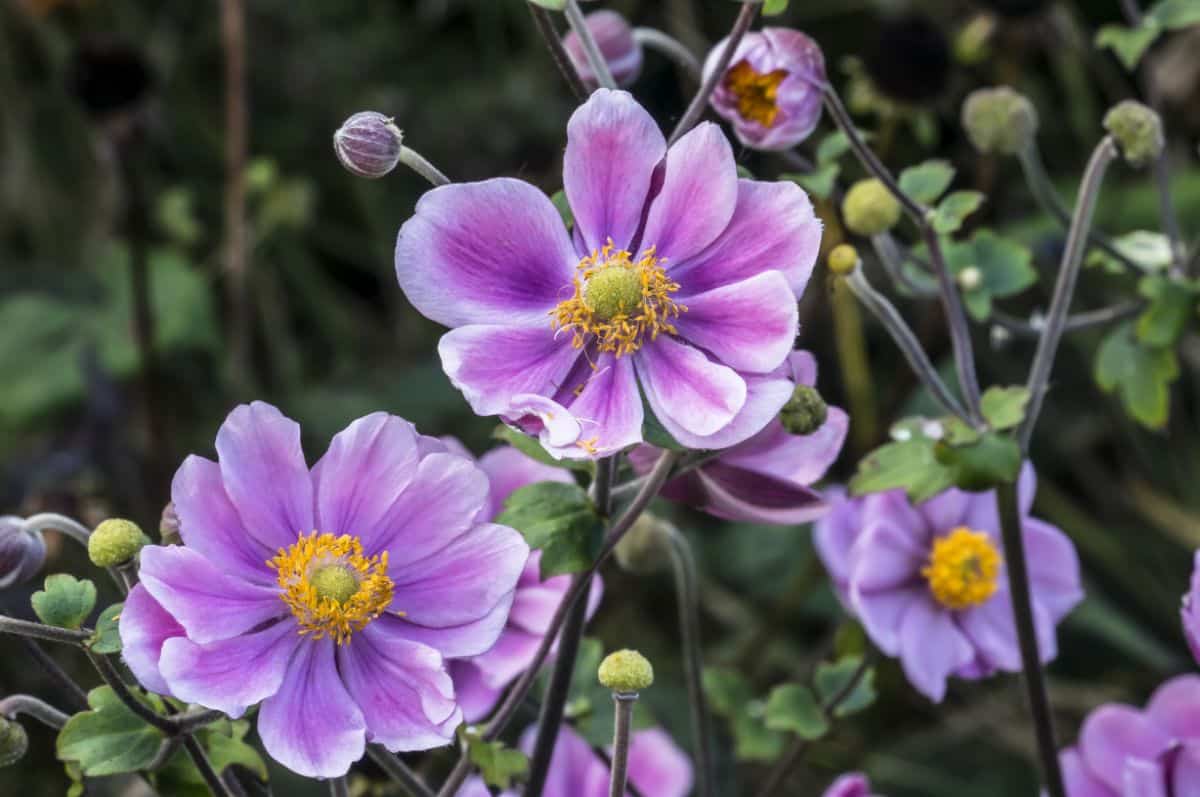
115 542
625 672
1137 130
643 549
368 144
22 552
614 36
999 120
14 742
843 260
869 208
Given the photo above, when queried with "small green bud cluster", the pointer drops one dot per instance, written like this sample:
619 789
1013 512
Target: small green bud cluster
805 411
999 120
1138 131
14 742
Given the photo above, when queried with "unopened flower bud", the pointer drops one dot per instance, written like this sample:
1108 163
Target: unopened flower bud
643 549
970 278
843 259
22 552
13 742
368 144
1138 131
869 208
115 542
999 120
626 671
805 411
621 51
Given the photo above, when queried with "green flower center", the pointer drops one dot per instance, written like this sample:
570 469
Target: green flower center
613 291
334 582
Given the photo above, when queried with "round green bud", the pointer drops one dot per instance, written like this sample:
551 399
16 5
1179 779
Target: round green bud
13 742
613 291
114 542
643 549
626 671
999 120
970 278
869 208
1138 131
805 411
843 259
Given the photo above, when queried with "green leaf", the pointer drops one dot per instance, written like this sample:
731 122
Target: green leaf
225 751
727 690
927 181
560 521
1004 407
498 763
1005 268
772 8
1175 14
909 464
819 183
832 147
1141 375
850 639
991 460
109 739
1129 44
654 433
559 198
1170 309
954 209
531 448
831 680
793 708
65 602
729 695
552 5
107 638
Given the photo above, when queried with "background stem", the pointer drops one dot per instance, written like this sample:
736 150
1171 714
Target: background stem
595 58
545 25
622 724
683 567
398 771
695 110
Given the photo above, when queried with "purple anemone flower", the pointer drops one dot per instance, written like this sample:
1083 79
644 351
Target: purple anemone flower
656 767
1123 751
333 595
853 784
22 551
773 89
679 283
479 681
1190 612
928 581
766 478
614 36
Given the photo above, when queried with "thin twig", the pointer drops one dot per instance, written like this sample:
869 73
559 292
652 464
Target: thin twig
1064 288
75 693
683 566
398 771
418 163
545 25
591 49
11 625
34 707
623 705
1074 323
655 39
196 752
233 44
111 677
60 523
338 787
695 110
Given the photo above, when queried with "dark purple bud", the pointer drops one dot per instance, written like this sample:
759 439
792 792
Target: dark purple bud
368 144
614 37
22 552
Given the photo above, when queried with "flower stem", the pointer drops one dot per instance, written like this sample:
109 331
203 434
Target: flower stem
956 318
545 25
75 693
196 752
31 706
655 39
623 702
339 788
1092 318
595 58
694 111
11 625
196 719
398 771
111 677
683 567
1064 288
1031 662
417 162
60 523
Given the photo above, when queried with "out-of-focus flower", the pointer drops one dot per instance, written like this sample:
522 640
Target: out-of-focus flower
621 51
332 595
1137 129
1190 612
767 478
773 89
22 552
999 120
479 681
928 581
853 784
1123 751
678 283
656 767
909 62
368 144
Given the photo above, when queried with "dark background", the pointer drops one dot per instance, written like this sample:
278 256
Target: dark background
112 168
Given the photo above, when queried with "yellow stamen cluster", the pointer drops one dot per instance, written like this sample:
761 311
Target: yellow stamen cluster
756 92
618 302
330 586
963 568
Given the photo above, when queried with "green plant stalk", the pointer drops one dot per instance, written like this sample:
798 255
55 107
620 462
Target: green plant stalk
31 706
545 26
623 702
683 567
75 693
196 752
398 771
669 46
591 49
419 164
11 625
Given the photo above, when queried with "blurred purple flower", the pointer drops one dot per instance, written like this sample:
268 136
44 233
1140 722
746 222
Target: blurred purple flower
853 784
342 632
614 37
773 89
555 332
22 552
928 582
1126 752
1190 612
656 767
766 478
480 680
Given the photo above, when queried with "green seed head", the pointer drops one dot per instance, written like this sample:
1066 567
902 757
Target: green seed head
869 208
805 411
335 582
13 742
613 291
115 542
1138 131
626 671
843 259
999 120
